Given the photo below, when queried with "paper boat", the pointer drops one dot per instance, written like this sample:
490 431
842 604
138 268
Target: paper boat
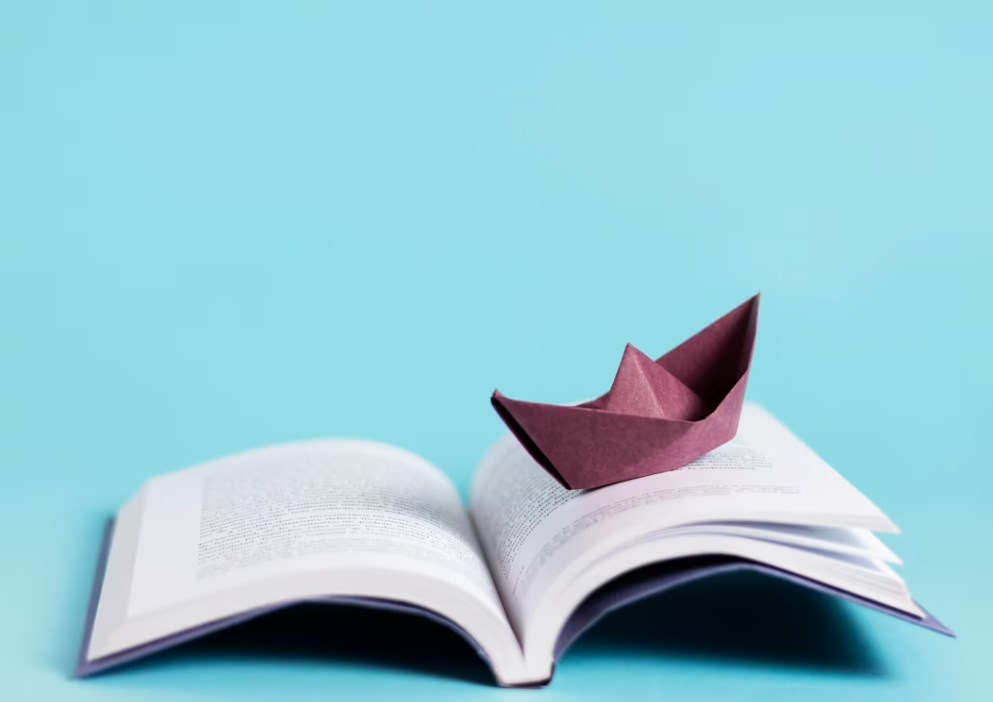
657 416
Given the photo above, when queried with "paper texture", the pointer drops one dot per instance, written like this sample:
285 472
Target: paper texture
657 416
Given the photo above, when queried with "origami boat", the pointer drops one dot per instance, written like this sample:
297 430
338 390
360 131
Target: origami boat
657 416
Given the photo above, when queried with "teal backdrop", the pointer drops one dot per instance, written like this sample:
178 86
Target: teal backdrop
229 224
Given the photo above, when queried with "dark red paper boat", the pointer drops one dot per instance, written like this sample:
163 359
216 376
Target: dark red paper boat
657 416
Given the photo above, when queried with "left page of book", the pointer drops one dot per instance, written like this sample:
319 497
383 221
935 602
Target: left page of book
313 520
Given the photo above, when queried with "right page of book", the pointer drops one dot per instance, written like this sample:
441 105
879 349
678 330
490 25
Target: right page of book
532 528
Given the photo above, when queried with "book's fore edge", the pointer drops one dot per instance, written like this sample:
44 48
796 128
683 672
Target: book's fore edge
82 663
613 596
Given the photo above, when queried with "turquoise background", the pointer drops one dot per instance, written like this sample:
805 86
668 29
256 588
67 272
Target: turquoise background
229 224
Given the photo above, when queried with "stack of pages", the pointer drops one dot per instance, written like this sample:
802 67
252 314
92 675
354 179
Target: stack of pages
520 573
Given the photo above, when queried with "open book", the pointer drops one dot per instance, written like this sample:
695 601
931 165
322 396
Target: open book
520 574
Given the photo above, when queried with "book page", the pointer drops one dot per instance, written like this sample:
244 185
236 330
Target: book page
325 505
532 528
350 521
